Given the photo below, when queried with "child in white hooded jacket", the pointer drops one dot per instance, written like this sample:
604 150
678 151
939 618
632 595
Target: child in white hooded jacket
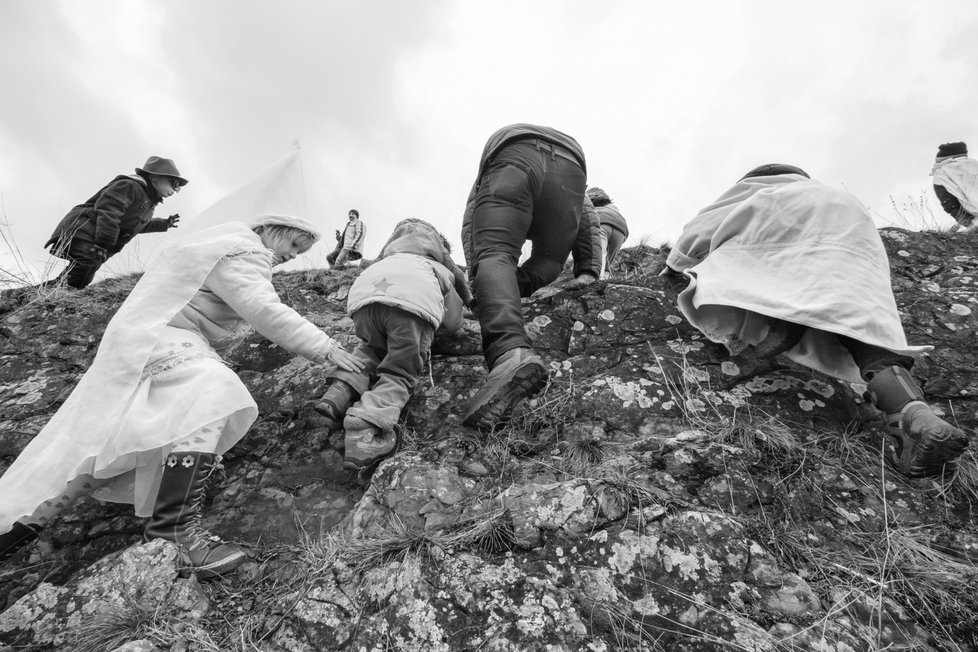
396 304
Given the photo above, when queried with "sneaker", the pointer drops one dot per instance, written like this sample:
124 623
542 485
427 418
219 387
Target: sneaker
335 402
518 374
925 445
366 445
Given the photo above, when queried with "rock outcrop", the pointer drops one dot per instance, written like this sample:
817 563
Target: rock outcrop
656 496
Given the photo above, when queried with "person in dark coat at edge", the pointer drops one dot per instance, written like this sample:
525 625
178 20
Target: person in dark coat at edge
614 229
530 186
956 183
96 230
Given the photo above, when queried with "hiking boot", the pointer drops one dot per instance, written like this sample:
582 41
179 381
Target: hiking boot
333 405
178 512
518 374
366 445
924 444
19 535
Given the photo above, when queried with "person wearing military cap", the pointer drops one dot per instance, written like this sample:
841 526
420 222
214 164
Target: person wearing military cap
100 227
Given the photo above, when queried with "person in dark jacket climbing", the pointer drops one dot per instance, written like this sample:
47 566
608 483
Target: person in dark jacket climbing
530 186
97 229
614 229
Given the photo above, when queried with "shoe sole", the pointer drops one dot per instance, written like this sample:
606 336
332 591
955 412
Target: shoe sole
933 455
525 384
220 568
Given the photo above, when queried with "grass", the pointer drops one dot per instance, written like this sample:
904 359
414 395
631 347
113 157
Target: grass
112 626
896 565
918 215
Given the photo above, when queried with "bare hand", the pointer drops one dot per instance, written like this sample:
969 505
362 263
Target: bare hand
346 360
581 281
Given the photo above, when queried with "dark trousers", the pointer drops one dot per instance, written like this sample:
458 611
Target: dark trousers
869 358
873 359
82 264
393 347
530 190
952 206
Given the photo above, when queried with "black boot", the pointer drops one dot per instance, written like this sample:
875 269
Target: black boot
333 405
178 511
18 537
924 444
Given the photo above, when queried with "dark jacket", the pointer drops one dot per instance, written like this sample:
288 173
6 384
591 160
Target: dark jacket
111 217
586 253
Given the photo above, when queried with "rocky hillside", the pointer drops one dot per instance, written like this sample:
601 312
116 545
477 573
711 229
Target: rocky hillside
656 496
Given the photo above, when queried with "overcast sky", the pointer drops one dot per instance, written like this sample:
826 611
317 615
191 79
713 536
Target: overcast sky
392 100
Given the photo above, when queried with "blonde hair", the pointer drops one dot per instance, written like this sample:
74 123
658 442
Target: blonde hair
278 232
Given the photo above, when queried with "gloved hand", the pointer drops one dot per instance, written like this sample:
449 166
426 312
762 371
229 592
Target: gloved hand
99 254
345 360
171 222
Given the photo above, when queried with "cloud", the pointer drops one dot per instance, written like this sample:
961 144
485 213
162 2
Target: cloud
392 101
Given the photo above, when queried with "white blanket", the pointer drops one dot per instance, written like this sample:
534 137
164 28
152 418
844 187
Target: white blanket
793 249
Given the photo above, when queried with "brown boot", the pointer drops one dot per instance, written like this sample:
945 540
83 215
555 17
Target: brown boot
333 405
178 512
924 444
16 538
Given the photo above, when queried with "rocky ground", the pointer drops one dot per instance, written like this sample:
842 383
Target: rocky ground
656 496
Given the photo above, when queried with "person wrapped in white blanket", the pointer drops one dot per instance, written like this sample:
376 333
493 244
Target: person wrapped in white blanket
956 183
148 422
784 264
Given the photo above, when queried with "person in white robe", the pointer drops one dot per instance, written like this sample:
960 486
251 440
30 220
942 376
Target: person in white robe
956 183
148 422
781 263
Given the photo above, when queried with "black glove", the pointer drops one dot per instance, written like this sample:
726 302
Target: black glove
171 222
99 254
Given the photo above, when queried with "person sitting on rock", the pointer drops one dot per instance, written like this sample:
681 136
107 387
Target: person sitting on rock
99 228
956 183
396 304
784 264
349 245
148 422
614 229
530 186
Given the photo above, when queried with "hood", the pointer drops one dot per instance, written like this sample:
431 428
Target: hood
414 236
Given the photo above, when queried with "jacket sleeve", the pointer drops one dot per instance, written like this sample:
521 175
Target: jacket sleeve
587 248
468 249
693 244
110 207
452 320
155 226
244 282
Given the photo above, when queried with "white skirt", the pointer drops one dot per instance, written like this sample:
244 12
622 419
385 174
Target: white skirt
185 388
